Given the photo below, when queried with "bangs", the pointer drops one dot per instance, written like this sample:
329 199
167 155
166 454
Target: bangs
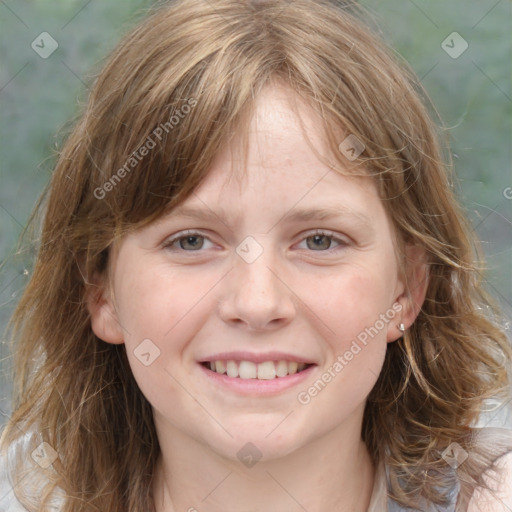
157 127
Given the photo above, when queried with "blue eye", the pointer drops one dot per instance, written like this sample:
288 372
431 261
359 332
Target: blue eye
188 242
321 241
193 242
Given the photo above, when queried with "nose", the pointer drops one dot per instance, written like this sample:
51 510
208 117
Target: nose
256 297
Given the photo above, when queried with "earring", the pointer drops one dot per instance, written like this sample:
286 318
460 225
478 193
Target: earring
401 327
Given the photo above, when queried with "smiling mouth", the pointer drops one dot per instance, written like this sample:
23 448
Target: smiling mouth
266 370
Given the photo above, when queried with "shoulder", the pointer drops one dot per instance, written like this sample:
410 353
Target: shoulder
8 500
498 496
21 471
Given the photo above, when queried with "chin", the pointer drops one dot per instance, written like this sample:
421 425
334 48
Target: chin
258 444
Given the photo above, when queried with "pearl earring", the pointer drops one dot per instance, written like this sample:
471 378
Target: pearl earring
401 327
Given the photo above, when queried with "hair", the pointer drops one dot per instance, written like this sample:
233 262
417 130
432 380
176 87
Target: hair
77 393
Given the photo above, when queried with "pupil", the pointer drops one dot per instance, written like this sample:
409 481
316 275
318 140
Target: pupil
191 242
320 242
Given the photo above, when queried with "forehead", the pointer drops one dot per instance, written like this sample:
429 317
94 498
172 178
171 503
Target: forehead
274 178
283 128
285 157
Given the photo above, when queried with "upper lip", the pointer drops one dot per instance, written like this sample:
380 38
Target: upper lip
255 357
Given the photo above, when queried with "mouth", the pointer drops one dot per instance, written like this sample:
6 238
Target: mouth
249 370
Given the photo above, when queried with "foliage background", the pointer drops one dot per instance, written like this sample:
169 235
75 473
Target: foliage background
39 96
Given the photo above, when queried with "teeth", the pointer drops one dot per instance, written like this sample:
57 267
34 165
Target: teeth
232 369
267 370
220 367
282 369
292 367
247 370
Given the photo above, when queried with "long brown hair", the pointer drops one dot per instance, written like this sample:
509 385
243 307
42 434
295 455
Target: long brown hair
181 84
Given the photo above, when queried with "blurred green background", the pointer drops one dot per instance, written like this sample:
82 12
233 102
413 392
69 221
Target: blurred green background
471 92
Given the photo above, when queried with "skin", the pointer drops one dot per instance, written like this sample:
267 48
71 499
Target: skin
295 297
498 498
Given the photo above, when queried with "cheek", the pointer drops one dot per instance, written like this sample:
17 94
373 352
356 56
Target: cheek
355 299
162 311
354 311
155 302
356 307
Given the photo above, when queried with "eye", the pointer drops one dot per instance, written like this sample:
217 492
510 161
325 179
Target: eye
321 241
188 242
191 242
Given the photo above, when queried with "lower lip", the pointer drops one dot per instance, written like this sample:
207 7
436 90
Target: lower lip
256 386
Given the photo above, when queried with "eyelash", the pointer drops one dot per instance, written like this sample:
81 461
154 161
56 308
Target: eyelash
180 236
319 232
341 243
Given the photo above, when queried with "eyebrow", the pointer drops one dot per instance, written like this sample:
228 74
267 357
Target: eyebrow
293 215
199 213
328 213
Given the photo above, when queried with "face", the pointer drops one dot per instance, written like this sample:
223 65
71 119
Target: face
270 294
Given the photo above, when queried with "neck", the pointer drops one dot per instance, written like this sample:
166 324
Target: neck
327 474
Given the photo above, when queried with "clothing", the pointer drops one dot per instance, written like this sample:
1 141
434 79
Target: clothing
498 438
380 502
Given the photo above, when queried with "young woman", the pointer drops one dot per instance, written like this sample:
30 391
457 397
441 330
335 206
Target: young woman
255 289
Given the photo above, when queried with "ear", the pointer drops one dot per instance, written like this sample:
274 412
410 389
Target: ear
104 321
411 290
